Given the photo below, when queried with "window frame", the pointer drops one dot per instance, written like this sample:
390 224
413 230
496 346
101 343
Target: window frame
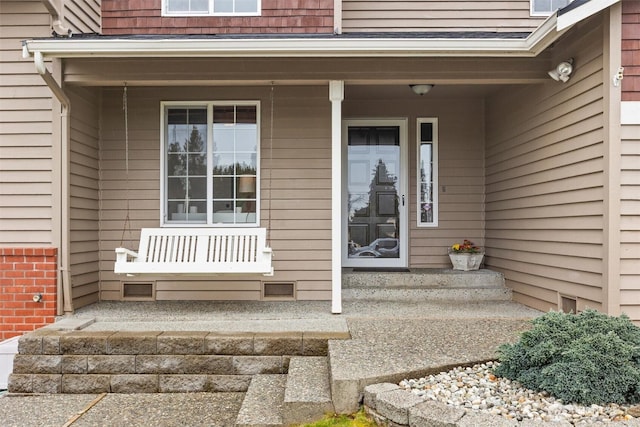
210 11
209 223
434 171
533 12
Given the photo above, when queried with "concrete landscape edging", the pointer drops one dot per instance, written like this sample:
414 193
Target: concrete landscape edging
392 406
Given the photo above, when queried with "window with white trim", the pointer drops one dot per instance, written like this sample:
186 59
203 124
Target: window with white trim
210 163
427 133
211 7
547 7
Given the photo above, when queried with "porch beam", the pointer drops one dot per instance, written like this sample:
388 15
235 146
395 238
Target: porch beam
261 71
336 96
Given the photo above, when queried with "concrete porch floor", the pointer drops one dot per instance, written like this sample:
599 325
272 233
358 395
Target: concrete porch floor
416 294
266 316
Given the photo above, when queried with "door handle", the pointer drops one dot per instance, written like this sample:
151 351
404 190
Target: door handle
403 200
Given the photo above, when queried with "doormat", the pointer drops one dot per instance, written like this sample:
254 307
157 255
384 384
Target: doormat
380 270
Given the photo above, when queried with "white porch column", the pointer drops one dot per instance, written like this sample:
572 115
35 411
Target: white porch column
336 95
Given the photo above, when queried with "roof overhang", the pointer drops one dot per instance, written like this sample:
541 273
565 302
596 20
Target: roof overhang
318 46
579 10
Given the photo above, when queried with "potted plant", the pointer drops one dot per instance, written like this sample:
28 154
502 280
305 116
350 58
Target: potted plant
466 256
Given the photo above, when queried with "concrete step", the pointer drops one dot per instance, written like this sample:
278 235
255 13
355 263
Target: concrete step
423 279
461 295
425 285
307 396
263 403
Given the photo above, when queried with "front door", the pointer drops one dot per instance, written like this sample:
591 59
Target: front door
375 221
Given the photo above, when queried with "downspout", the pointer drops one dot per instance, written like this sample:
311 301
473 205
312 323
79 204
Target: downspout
64 276
337 16
56 8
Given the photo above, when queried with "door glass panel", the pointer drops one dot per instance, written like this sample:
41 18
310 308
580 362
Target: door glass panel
373 159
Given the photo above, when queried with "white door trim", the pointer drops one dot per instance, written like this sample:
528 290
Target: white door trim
403 176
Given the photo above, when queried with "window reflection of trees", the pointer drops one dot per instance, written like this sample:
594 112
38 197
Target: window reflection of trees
187 160
365 209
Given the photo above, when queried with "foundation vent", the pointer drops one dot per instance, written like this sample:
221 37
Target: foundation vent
279 291
568 304
138 291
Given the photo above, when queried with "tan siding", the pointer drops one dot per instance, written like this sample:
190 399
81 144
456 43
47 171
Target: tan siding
630 222
460 125
84 202
83 16
300 186
544 160
433 15
25 130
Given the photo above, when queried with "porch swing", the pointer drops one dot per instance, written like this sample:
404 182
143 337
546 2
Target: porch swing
195 251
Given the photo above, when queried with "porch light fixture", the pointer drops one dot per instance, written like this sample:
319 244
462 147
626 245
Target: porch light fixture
562 71
421 89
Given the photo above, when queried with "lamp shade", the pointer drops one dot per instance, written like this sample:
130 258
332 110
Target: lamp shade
247 184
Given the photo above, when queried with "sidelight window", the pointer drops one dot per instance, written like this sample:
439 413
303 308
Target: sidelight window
427 133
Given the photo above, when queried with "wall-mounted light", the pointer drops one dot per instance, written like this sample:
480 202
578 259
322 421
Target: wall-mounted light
618 76
37 297
421 89
562 71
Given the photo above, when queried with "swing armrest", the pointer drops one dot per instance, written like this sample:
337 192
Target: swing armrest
123 255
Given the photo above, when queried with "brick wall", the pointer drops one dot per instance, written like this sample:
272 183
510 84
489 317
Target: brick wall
23 273
278 16
631 50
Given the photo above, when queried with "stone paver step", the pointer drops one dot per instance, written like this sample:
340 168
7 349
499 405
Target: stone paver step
53 361
59 342
307 396
263 403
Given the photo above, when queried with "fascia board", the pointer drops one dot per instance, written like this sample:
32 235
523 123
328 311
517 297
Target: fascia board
275 48
584 11
298 47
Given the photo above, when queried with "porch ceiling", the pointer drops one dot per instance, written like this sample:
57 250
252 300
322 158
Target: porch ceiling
403 92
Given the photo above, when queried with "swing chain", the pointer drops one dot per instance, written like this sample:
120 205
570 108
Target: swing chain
125 109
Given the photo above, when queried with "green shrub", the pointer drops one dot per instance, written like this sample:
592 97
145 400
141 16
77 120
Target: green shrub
589 358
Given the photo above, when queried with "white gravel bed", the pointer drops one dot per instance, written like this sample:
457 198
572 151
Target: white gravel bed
477 389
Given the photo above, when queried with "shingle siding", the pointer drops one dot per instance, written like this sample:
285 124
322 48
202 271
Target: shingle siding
631 50
278 16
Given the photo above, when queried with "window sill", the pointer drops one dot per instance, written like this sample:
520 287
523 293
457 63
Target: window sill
207 14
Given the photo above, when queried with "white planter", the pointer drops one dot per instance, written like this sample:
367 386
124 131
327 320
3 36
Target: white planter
8 349
466 261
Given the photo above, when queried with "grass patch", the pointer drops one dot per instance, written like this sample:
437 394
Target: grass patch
359 419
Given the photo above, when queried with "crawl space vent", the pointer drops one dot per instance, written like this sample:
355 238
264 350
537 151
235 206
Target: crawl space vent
279 290
137 291
569 305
